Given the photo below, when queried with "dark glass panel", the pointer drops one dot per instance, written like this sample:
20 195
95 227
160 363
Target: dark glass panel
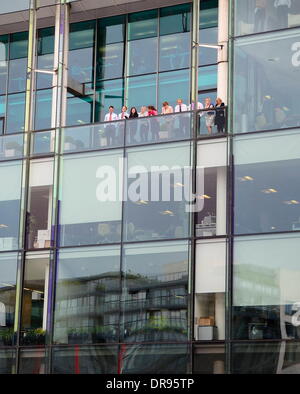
111 30
143 25
45 44
79 110
85 360
82 35
7 362
208 13
32 361
18 45
175 19
209 359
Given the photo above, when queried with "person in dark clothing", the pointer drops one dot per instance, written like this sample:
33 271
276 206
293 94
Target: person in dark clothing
133 124
220 115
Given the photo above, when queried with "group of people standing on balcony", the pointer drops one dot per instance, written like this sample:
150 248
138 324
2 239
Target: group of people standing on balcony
215 117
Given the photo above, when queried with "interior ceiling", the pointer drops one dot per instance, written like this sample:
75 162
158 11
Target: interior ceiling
81 10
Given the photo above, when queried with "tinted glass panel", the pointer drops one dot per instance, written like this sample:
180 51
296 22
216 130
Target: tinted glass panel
111 30
98 220
208 13
79 110
32 361
265 15
3 63
82 35
110 61
109 93
10 195
15 113
174 85
85 360
88 296
18 45
175 19
142 25
266 173
174 52
141 91
207 78
142 56
43 109
155 294
265 93
17 75
266 287
208 55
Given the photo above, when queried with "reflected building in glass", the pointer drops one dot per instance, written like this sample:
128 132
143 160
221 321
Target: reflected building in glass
162 243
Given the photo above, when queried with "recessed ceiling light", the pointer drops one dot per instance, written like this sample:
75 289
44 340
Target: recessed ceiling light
269 191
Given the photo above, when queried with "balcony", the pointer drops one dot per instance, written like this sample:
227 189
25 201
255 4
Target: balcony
212 122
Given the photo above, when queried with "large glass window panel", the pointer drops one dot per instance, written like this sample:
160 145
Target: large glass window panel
265 15
265 71
208 13
82 35
45 44
175 19
266 287
18 45
266 173
207 78
32 361
156 199
3 63
98 219
109 93
172 86
155 359
15 113
39 210
81 65
17 75
79 110
43 109
87 302
155 292
208 55
111 30
141 91
11 146
174 52
142 56
110 61
210 282
8 274
10 196
45 49
142 25
211 188
7 361
85 360
35 299
209 359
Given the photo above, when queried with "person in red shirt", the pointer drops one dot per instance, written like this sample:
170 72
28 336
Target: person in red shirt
154 124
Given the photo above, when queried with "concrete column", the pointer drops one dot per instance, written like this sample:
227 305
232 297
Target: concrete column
223 53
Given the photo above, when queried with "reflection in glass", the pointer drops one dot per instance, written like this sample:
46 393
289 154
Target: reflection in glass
174 52
207 78
17 75
266 358
157 192
155 293
85 360
35 299
43 142
173 85
11 146
265 93
111 30
142 56
208 55
88 296
8 273
79 109
108 93
208 14
209 359
267 174
98 220
175 19
10 196
141 91
15 113
110 61
142 24
155 359
45 49
7 361
254 17
266 287
32 361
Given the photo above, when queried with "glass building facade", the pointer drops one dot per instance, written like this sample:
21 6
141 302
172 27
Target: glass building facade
155 244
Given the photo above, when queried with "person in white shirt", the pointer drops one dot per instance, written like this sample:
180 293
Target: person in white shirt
124 114
110 130
180 107
184 120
